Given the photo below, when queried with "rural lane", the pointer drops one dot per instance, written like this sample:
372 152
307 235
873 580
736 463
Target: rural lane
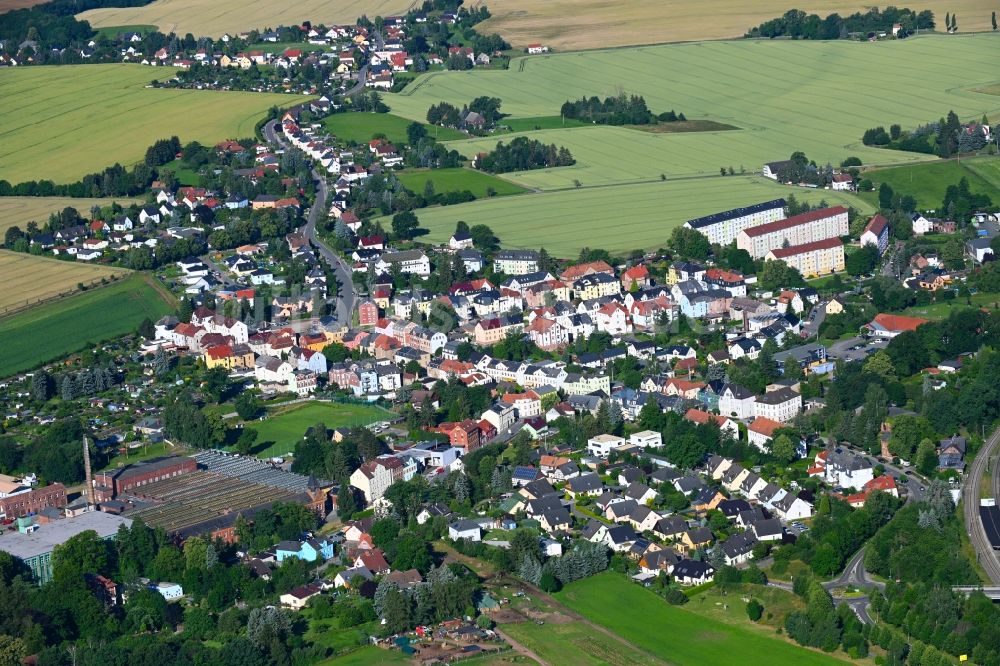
346 296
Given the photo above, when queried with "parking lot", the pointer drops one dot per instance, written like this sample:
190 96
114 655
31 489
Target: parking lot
856 348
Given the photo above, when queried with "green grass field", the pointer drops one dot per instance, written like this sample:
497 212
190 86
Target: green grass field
185 175
928 182
456 180
64 122
575 643
56 329
617 218
676 634
369 655
541 123
797 96
360 127
112 31
791 95
282 431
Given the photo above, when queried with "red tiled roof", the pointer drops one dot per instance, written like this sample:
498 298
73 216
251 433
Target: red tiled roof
891 322
877 224
764 426
794 221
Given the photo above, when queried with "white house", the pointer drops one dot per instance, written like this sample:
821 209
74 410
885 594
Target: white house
465 529
921 225
646 439
737 402
601 446
781 405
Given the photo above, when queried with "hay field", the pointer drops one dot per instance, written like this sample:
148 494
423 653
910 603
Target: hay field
593 24
61 123
212 18
28 279
617 218
817 97
18 211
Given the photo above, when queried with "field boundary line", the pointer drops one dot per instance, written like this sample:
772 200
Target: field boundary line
93 285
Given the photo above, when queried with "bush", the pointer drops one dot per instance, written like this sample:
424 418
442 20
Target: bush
548 583
675 597
754 610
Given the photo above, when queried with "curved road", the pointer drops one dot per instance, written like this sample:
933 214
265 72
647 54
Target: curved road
346 296
970 506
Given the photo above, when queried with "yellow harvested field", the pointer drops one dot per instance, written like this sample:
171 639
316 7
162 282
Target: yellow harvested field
18 211
569 25
213 18
28 279
61 123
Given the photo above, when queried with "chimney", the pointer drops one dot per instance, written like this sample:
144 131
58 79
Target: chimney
91 499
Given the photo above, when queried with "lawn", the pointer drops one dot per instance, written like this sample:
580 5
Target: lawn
185 175
591 24
28 279
942 308
65 122
541 123
113 31
368 655
618 219
213 18
360 127
575 643
281 431
53 330
676 634
458 179
18 211
927 182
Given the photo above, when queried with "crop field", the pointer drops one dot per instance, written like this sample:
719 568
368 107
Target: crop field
590 24
212 18
18 211
283 430
113 31
360 127
787 96
676 634
927 182
790 96
28 279
616 218
61 123
55 329
614 155
456 180
576 643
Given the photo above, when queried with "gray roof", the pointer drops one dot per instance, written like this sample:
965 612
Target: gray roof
47 537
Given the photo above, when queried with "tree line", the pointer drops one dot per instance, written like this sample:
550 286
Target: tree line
524 154
797 24
621 109
944 138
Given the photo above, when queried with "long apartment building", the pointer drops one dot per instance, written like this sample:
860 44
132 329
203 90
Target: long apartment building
723 228
816 225
812 259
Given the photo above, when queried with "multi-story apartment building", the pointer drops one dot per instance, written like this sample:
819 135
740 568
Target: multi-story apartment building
809 227
722 228
820 257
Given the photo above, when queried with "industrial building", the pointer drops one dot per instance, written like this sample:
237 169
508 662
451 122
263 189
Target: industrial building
35 547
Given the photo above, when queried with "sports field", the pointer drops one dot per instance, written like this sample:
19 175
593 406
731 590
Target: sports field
28 279
674 633
18 211
456 180
616 218
928 182
58 328
361 127
213 18
591 24
64 122
286 428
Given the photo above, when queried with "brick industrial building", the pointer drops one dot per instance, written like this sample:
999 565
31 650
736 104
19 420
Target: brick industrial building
113 483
